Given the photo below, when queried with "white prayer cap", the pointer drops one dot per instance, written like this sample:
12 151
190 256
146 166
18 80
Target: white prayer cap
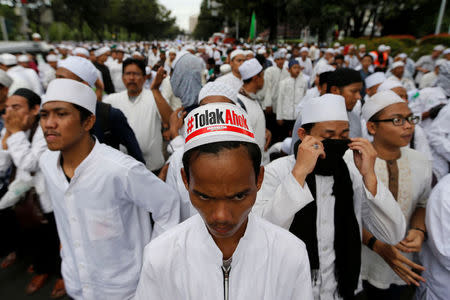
402 55
362 46
378 102
217 122
337 44
172 50
304 49
322 68
8 59
329 51
137 53
381 48
236 52
250 68
374 56
5 80
286 145
217 88
398 64
387 48
289 48
120 49
327 107
261 51
36 35
72 91
23 58
389 84
81 67
189 47
446 51
439 48
278 55
81 50
52 58
248 52
101 51
374 79
225 68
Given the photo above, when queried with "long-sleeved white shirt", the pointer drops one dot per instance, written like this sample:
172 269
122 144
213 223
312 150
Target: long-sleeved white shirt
145 120
306 64
103 220
435 254
414 186
290 92
272 77
232 81
256 118
25 156
115 69
185 263
281 197
439 138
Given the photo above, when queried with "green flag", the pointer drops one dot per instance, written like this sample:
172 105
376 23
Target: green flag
253 27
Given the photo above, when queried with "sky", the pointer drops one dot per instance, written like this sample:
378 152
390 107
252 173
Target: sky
182 10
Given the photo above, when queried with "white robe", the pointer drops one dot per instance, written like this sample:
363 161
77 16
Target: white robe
103 220
257 120
439 137
231 80
281 197
185 263
435 254
145 120
414 186
115 69
307 65
290 92
272 77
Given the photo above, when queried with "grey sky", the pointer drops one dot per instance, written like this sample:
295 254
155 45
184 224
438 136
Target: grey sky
182 10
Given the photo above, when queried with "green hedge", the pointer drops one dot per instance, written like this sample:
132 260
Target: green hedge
443 38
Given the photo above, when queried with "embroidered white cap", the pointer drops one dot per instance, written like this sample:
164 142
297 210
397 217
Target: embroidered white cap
217 122
389 84
374 79
217 88
101 51
379 101
250 68
236 52
327 107
81 67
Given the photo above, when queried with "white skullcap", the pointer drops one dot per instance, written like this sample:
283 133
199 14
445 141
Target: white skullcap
72 91
289 48
381 48
36 35
172 50
8 59
189 47
236 52
23 58
286 145
439 48
374 56
322 68
446 51
217 122
101 51
261 51
374 79
398 64
137 53
402 55
278 55
120 49
52 58
217 88
250 68
81 50
337 44
225 68
378 102
304 49
327 107
440 62
248 52
81 67
387 48
330 51
5 80
389 84
362 46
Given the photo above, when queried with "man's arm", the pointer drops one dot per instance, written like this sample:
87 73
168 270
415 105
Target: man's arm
163 107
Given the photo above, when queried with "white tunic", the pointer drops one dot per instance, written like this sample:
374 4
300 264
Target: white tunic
167 93
103 221
290 93
439 138
281 197
185 263
428 80
407 83
25 156
272 77
435 254
231 80
115 69
306 64
144 118
257 120
414 185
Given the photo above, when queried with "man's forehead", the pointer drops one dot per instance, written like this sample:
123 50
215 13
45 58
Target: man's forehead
55 105
332 125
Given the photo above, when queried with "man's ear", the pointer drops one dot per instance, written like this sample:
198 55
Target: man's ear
89 123
260 179
184 177
371 128
301 133
36 109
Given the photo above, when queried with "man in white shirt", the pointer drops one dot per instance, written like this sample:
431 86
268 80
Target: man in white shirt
305 193
144 109
101 198
115 68
224 252
305 61
20 80
439 137
435 254
398 70
233 79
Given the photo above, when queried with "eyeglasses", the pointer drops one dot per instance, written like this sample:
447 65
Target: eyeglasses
413 120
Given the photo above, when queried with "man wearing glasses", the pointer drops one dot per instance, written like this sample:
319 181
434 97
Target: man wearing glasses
144 109
387 269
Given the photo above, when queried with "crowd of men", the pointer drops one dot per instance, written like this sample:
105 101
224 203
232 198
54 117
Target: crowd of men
192 170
